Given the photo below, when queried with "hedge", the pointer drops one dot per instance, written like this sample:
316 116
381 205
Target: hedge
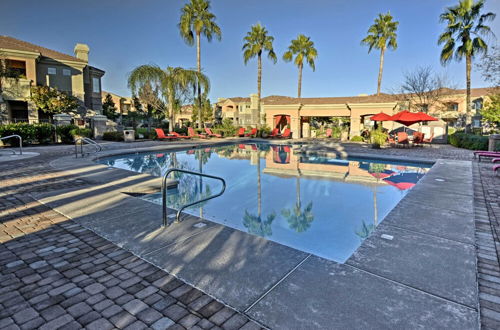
30 133
113 136
64 133
468 141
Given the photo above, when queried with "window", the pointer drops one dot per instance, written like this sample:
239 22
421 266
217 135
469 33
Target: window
424 107
477 104
66 72
452 106
403 106
476 123
96 85
51 71
16 68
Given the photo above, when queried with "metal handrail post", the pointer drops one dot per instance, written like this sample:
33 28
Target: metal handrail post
20 141
164 193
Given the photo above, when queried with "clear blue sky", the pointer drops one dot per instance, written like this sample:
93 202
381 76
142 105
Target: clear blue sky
123 34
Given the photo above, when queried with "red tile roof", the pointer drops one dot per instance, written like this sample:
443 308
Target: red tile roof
7 42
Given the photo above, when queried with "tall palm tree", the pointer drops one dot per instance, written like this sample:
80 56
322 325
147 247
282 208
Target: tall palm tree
173 84
303 50
258 41
462 37
197 20
382 35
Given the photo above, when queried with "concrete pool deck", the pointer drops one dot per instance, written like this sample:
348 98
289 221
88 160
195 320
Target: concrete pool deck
425 276
443 246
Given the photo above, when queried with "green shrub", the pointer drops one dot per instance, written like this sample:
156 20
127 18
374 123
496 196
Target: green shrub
113 136
227 128
144 132
30 133
468 141
81 132
378 137
357 138
64 133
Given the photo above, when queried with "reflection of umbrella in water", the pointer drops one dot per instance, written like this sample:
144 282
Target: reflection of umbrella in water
382 175
404 181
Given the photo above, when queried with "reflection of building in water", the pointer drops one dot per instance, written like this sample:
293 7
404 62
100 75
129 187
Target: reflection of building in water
280 160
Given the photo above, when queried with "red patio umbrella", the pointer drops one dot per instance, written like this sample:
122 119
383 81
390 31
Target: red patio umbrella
408 118
381 117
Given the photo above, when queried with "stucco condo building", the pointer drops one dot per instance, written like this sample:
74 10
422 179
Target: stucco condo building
283 111
37 65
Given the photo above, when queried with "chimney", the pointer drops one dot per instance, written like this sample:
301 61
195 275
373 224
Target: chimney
82 52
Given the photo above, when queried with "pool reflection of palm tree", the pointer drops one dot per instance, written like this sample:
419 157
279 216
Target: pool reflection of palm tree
365 230
299 219
254 223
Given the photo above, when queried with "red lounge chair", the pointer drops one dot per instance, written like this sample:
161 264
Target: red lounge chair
403 138
287 134
190 152
210 133
253 133
192 134
286 149
429 140
241 146
161 135
241 132
275 133
177 135
328 132
488 154
254 147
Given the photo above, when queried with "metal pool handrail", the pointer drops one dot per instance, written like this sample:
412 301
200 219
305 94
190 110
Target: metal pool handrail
164 193
20 142
88 141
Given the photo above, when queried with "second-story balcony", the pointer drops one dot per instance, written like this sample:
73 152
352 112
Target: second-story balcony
16 89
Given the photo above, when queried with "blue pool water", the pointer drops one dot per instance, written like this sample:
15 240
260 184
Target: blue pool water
319 205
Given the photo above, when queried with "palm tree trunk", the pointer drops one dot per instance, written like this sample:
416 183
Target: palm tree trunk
171 114
198 64
380 69
300 82
259 83
468 118
297 190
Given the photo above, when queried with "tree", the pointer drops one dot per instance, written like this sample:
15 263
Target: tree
465 27
491 110
52 101
422 89
206 111
382 35
258 41
171 84
197 20
108 107
490 66
303 49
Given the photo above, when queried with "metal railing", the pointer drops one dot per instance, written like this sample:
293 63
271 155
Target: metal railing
20 142
164 193
84 140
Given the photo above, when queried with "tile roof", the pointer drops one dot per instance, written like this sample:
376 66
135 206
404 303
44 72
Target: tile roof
7 42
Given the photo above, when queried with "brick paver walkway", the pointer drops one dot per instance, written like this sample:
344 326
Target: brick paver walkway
55 274
487 212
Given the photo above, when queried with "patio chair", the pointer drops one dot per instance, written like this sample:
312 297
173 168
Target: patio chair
177 135
161 135
287 134
241 132
274 133
210 133
253 133
193 134
487 154
328 132
418 138
391 140
429 140
403 139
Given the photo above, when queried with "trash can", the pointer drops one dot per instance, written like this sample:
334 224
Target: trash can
128 135
493 141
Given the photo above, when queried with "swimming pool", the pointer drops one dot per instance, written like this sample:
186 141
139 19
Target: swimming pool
323 206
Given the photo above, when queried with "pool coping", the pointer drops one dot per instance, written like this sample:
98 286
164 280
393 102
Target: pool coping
253 310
